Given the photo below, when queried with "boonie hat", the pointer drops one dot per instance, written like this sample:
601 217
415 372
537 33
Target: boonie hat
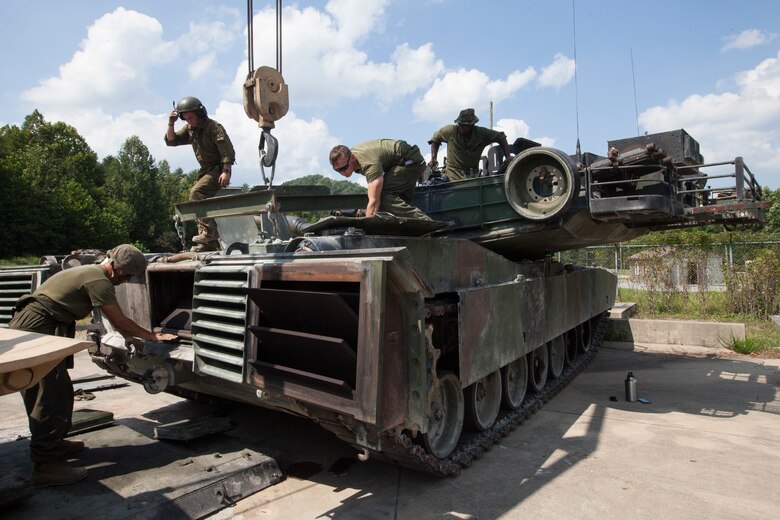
467 117
129 258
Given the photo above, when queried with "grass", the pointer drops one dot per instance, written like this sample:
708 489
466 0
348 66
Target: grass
762 337
20 260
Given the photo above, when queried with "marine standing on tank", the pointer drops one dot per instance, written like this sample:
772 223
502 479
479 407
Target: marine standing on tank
54 308
465 143
214 153
391 167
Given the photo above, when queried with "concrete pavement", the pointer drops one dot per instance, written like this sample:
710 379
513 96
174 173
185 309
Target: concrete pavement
707 446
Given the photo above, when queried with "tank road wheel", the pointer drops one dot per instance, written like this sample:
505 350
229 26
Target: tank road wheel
584 334
514 382
571 347
541 183
445 421
538 361
557 351
483 399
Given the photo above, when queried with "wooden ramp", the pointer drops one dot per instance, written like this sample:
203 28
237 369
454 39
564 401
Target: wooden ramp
25 357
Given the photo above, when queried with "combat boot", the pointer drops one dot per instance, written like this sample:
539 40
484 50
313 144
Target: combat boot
204 248
67 448
203 239
56 474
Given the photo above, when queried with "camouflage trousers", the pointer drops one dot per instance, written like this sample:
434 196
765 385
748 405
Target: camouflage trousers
398 188
206 187
49 404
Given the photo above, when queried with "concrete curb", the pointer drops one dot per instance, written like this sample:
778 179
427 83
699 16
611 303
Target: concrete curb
675 332
665 348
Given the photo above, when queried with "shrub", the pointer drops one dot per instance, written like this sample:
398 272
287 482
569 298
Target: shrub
754 288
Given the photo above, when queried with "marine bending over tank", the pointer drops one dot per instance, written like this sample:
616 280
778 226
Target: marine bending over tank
392 169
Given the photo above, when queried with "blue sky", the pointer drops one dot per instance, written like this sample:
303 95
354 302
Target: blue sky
365 69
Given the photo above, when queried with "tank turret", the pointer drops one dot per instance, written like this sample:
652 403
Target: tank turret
546 202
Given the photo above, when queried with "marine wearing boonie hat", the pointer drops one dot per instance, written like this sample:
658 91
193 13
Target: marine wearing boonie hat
467 117
129 258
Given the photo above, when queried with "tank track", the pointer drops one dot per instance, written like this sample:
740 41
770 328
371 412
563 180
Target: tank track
401 449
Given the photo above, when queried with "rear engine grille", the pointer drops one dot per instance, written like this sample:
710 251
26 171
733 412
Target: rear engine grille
219 309
13 285
308 333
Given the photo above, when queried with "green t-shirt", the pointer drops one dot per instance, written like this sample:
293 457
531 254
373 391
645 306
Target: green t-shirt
381 155
463 154
70 295
210 143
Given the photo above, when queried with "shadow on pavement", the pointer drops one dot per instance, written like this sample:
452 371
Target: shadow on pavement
130 471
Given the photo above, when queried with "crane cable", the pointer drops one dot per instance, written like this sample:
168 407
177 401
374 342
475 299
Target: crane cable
268 146
250 37
279 36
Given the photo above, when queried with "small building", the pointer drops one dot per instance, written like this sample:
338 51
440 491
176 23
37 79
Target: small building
676 267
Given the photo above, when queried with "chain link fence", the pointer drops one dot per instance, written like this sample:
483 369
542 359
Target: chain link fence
686 267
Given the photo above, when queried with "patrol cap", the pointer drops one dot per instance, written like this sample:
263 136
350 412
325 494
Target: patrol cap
467 117
129 258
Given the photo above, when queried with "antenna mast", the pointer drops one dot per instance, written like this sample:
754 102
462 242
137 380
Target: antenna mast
633 78
576 86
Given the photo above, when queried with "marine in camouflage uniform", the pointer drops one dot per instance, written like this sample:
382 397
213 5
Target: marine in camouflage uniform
391 167
465 144
214 153
54 308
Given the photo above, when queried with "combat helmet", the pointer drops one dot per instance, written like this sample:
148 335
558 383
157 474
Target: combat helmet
190 104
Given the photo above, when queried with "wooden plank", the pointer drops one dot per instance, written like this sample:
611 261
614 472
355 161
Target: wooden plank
26 357
21 349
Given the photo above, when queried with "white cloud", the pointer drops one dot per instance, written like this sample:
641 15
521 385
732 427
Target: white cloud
201 44
747 39
731 124
201 66
112 67
466 88
326 45
303 145
108 90
122 50
514 128
360 17
558 73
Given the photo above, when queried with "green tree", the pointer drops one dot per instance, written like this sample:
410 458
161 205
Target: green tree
174 188
133 188
335 187
773 214
52 182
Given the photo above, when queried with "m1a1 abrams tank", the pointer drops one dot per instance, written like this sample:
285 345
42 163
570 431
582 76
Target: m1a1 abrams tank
417 342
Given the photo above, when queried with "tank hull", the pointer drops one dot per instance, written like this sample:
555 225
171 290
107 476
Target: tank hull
353 332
